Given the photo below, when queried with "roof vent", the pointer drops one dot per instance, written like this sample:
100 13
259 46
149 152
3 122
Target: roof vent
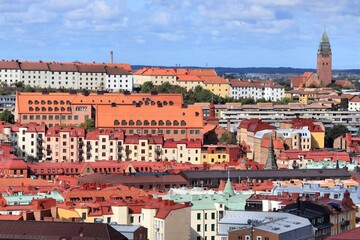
275 228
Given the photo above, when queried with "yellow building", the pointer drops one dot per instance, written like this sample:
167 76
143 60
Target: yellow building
217 86
214 154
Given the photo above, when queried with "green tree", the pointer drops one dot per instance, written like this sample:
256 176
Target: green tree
228 138
334 132
31 159
147 87
7 116
89 124
284 101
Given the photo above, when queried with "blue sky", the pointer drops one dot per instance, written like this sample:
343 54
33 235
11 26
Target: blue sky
229 33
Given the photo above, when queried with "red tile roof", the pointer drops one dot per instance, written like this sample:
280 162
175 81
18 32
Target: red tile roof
9 64
34 66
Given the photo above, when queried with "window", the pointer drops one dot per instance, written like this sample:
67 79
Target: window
123 123
176 123
131 123
198 216
116 122
138 123
161 123
168 123
146 123
153 123
183 123
198 227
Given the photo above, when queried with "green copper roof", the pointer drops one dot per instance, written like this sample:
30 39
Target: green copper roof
228 188
209 201
324 37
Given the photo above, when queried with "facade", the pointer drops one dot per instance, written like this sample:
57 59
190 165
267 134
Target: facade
256 90
160 114
354 104
7 102
187 78
92 76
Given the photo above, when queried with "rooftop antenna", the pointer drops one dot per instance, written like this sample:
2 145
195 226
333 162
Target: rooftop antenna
111 57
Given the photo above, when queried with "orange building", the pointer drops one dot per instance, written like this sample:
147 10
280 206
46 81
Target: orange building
135 113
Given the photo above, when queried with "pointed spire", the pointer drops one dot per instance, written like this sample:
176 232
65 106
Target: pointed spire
271 161
228 188
325 37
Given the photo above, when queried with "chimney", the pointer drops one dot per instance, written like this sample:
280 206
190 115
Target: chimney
111 57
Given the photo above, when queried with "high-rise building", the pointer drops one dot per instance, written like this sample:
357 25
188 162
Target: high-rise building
324 60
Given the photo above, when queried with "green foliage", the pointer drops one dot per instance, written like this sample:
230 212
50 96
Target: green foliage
335 86
89 125
334 132
147 87
32 159
284 101
228 138
7 116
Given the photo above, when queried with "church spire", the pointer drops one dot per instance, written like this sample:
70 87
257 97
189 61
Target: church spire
271 161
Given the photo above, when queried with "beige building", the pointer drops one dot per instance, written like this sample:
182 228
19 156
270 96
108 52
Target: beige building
183 151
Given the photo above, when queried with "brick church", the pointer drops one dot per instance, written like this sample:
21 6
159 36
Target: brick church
323 74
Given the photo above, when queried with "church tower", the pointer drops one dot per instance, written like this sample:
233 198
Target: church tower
324 60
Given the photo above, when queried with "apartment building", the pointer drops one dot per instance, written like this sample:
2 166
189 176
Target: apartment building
134 113
354 104
182 151
63 144
187 78
7 102
234 113
256 89
91 76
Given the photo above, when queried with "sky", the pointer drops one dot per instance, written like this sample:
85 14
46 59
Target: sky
204 33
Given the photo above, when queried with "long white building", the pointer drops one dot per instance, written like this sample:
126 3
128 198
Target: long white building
94 76
256 90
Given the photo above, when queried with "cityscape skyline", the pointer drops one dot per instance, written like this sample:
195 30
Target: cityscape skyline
186 33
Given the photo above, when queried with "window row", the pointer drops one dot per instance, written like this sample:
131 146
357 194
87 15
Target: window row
43 102
49 117
151 123
50 109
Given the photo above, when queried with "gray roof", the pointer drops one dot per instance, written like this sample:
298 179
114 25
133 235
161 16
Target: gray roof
126 230
57 230
276 222
267 174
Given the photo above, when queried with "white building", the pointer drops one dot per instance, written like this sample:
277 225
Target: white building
257 89
67 75
354 104
117 79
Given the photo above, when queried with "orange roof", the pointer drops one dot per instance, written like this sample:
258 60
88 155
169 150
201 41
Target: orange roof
214 80
149 71
189 78
9 64
106 115
278 143
29 102
118 191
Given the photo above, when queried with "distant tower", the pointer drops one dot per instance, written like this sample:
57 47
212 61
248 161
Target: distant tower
111 57
270 160
324 60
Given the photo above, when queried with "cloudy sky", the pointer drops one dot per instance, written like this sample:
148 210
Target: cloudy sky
232 33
